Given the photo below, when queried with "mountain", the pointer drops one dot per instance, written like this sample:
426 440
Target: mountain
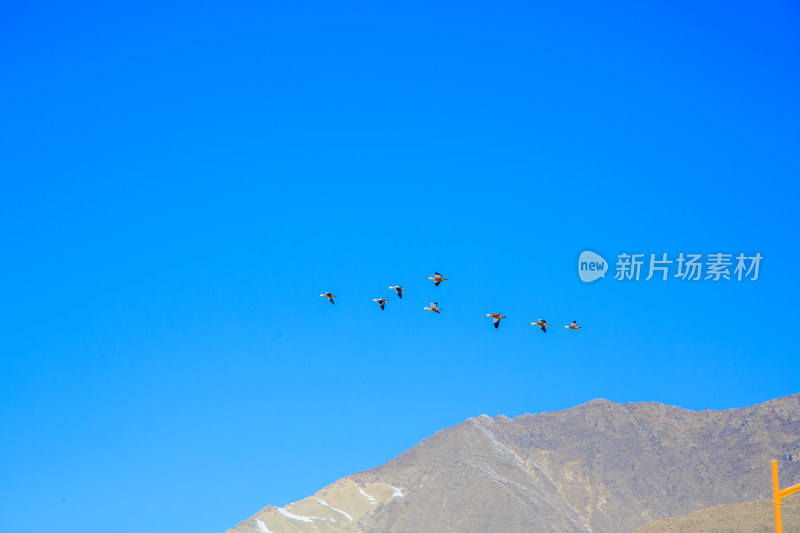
747 517
601 467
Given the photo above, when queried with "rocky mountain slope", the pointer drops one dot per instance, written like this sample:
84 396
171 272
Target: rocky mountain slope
600 467
746 517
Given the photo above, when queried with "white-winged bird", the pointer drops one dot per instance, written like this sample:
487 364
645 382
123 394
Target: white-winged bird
437 278
574 325
542 323
329 296
496 317
399 290
434 307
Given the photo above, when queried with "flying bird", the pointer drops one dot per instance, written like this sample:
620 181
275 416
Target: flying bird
381 301
541 323
496 317
437 279
329 296
399 290
434 307
574 325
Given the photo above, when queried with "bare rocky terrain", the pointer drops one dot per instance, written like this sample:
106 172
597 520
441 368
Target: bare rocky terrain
746 517
601 467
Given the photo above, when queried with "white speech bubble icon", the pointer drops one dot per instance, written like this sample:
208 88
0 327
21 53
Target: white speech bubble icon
591 266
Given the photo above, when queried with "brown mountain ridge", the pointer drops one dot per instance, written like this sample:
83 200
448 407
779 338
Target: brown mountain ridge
747 517
600 467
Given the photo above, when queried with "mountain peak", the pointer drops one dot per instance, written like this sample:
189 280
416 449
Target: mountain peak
601 467
599 402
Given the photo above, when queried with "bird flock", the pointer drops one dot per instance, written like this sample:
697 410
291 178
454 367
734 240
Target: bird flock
434 306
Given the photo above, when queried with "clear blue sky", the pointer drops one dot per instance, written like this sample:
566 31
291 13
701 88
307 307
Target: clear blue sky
180 182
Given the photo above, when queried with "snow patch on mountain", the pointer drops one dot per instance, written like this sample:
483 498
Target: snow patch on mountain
323 502
308 519
260 526
367 496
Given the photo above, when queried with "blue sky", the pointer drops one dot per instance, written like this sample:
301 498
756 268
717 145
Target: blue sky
180 182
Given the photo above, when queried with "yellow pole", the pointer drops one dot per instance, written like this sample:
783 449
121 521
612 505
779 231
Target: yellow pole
776 497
